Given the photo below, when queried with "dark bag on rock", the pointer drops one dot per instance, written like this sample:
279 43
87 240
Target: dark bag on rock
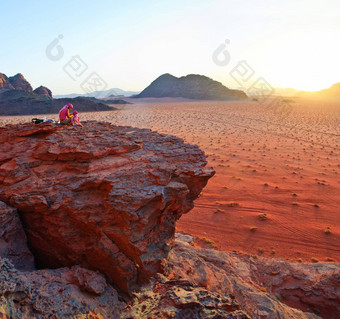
37 121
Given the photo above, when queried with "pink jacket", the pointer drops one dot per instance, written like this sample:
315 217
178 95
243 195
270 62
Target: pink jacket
75 120
63 112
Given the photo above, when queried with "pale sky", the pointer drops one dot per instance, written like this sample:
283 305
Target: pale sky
130 43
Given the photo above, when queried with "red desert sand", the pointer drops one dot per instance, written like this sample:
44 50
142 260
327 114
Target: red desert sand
276 191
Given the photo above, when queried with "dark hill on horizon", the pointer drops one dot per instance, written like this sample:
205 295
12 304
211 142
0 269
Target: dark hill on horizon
17 97
192 86
18 102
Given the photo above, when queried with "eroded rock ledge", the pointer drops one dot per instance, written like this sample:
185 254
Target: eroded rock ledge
98 207
103 197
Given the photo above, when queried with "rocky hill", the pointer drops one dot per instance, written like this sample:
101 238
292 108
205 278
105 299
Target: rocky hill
98 207
4 82
18 102
42 90
19 82
18 98
16 82
192 86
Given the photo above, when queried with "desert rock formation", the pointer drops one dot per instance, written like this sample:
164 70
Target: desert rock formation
19 82
105 197
98 208
42 90
192 86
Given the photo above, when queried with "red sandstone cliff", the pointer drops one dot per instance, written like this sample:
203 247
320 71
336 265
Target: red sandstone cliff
98 206
104 197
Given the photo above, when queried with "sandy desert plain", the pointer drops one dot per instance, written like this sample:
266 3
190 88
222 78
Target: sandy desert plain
276 192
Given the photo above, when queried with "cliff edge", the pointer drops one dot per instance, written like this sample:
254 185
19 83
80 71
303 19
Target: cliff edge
88 231
103 197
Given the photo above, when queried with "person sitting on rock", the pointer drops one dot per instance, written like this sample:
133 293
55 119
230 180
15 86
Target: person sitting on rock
64 114
75 120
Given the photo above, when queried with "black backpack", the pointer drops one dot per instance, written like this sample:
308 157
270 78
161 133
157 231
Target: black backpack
37 121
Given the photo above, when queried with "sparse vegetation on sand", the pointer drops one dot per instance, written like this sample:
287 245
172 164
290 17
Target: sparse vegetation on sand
262 216
239 128
233 204
218 210
327 231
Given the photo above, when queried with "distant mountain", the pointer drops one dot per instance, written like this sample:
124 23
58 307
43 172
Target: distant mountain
19 102
192 86
19 82
331 93
16 82
18 98
4 82
100 94
43 90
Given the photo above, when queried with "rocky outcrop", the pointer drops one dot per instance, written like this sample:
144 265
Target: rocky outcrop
201 283
16 102
56 293
18 98
60 293
4 83
165 298
264 287
19 82
42 90
99 205
13 242
103 197
192 86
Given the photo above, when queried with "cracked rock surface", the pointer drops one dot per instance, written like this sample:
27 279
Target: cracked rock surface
103 197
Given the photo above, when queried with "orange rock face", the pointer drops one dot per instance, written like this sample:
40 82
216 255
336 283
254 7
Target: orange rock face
103 197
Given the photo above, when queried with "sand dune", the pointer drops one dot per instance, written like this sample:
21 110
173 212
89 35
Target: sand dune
284 163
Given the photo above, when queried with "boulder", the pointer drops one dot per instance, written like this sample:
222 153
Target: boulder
55 293
103 197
